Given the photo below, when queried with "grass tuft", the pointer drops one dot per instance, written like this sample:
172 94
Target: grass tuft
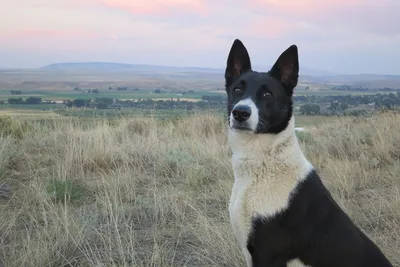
65 191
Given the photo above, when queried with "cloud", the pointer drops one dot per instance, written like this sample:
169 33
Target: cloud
156 7
275 28
43 33
198 31
355 16
316 8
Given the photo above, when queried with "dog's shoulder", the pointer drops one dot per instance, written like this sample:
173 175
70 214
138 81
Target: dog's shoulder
313 218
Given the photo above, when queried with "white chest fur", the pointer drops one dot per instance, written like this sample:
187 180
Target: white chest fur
261 188
266 172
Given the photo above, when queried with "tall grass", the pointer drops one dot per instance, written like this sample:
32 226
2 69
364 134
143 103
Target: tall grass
144 192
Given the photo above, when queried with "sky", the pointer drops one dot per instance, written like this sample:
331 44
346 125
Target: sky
342 36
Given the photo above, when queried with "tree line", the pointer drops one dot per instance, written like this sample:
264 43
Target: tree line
29 100
347 104
308 104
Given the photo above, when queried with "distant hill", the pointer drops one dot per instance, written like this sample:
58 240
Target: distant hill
303 70
109 66
307 75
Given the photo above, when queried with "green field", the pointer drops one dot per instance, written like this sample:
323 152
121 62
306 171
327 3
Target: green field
335 93
65 95
31 106
133 112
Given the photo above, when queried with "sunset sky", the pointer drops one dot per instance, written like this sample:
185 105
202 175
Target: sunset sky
345 36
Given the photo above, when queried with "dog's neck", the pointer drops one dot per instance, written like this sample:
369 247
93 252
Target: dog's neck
277 146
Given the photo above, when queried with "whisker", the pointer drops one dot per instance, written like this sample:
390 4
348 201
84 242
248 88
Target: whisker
262 124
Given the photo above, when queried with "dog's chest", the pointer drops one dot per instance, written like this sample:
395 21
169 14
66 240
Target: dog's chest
260 189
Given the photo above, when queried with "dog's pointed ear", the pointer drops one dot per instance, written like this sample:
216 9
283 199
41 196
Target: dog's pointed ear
286 68
238 61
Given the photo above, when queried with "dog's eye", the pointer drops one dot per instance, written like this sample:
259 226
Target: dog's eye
267 94
237 90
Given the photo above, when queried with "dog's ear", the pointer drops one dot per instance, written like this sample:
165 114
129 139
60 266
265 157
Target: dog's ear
238 62
286 68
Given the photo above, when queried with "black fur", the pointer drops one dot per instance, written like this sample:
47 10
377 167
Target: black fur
314 228
275 108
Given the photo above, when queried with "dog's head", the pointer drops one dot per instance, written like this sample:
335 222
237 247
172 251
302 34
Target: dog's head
260 102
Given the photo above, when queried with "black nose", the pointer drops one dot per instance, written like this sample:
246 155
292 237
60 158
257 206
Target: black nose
241 113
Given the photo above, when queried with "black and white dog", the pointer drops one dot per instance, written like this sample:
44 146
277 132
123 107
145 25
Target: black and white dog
280 211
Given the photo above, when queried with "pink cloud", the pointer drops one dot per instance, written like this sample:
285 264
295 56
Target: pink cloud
302 8
81 23
42 33
154 7
378 17
268 28
137 7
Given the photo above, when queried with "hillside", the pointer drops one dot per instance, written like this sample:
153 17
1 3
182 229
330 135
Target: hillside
99 66
307 75
142 192
107 66
66 76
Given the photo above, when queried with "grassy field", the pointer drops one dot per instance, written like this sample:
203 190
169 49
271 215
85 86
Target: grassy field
71 94
328 92
130 113
146 192
29 114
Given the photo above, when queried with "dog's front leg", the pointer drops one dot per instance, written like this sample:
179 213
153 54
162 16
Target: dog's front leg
248 258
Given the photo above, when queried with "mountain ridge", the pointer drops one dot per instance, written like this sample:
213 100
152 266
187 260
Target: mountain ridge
148 67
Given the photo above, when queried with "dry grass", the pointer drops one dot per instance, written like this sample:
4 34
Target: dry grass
151 193
166 99
181 99
28 113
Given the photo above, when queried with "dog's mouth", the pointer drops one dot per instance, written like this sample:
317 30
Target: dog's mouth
245 127
237 126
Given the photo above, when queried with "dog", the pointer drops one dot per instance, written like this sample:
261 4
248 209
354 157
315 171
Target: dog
279 209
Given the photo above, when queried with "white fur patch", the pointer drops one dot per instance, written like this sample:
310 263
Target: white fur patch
253 120
267 169
296 263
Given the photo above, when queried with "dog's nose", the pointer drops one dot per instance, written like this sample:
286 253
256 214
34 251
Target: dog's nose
241 113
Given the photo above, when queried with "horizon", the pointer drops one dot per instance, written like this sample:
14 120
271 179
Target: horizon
356 37
310 71
321 72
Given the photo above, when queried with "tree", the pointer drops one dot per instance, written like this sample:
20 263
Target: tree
334 106
105 100
344 106
79 102
33 100
309 109
101 105
15 101
68 103
16 92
